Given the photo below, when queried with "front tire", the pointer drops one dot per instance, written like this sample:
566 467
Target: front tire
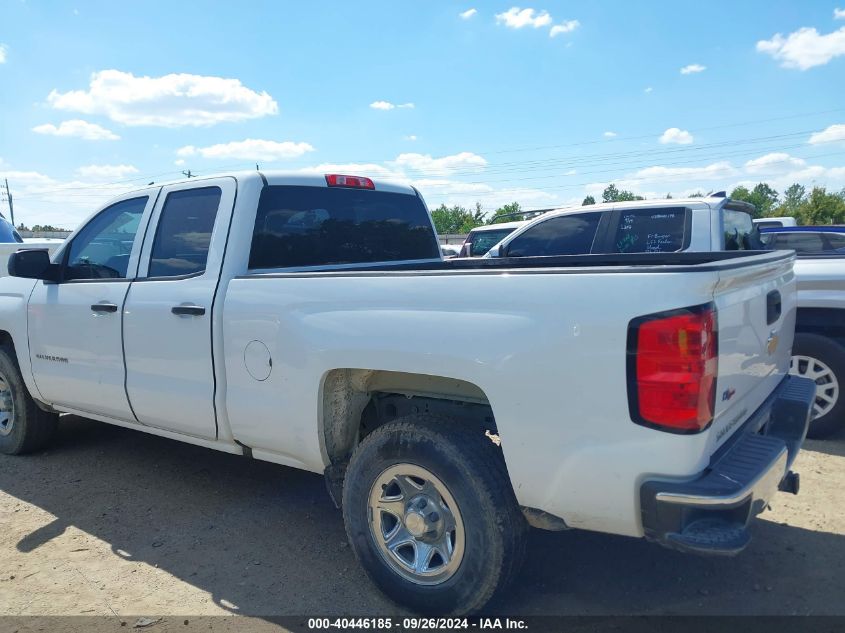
24 427
431 515
822 360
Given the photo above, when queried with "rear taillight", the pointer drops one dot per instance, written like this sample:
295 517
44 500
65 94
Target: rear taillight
672 368
354 182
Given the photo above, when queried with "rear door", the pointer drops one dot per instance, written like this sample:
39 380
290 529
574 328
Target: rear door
170 306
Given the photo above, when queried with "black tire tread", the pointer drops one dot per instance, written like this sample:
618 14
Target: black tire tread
485 459
34 426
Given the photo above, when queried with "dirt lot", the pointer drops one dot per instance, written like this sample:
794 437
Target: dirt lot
119 523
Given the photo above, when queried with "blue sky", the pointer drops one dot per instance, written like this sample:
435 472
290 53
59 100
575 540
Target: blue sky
542 103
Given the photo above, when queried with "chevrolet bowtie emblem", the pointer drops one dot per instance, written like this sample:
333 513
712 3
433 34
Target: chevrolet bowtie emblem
772 343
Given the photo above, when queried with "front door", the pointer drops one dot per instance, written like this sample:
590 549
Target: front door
168 313
75 325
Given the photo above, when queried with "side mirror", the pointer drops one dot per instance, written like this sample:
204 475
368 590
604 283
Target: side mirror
467 250
33 264
498 251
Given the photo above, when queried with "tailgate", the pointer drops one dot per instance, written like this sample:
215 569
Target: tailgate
756 323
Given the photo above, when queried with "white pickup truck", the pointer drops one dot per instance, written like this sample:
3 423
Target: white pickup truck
310 321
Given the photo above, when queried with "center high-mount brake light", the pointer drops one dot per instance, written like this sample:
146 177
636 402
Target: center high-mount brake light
352 182
672 368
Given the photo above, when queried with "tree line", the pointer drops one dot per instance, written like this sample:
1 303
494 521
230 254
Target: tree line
818 206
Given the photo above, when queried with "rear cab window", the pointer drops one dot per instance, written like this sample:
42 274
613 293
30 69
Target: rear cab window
654 230
739 231
302 226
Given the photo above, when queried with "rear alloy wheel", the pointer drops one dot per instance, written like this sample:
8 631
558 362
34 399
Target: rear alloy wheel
431 514
822 360
416 524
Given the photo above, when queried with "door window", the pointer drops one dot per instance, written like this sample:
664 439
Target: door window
563 235
101 248
184 232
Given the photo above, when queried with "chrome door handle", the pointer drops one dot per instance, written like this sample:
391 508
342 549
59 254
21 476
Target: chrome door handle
103 307
189 310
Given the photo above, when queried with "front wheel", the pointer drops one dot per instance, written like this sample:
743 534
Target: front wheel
431 515
23 426
823 361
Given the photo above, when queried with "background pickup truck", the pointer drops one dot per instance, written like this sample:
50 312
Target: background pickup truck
717 223
310 321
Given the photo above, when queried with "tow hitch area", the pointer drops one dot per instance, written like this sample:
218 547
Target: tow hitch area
710 514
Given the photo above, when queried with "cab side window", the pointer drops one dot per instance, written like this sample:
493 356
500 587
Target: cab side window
184 232
563 235
101 249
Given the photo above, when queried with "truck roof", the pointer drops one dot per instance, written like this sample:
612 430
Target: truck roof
303 179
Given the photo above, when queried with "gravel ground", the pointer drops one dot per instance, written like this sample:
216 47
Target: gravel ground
118 523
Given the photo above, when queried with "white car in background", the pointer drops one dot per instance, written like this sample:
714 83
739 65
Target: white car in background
11 242
482 238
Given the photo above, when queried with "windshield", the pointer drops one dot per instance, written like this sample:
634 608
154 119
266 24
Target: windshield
483 241
8 234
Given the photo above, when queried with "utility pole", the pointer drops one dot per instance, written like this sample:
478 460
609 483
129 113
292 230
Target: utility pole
9 198
187 173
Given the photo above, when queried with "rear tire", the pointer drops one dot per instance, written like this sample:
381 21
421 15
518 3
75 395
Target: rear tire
24 427
458 476
823 360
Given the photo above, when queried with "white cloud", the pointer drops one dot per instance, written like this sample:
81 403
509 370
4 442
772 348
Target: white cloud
41 199
106 172
804 48
648 89
676 136
249 149
445 164
517 18
77 128
387 105
565 27
609 134
780 161
657 173
169 101
828 135
691 69
411 137
179 162
466 15
571 172
3 51
839 14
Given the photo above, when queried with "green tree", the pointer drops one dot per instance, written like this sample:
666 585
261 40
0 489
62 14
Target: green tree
821 207
794 196
588 201
613 194
763 197
697 194
456 219
507 210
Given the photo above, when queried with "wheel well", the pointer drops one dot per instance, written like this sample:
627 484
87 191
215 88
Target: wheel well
828 322
6 340
357 401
